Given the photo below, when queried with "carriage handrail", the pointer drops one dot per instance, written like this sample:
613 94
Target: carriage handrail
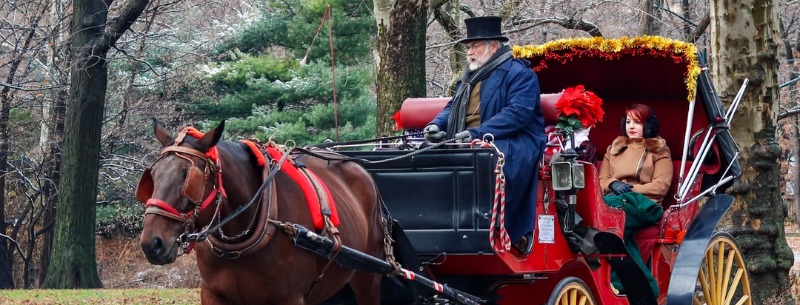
725 178
683 188
703 193
705 146
736 101
686 137
735 156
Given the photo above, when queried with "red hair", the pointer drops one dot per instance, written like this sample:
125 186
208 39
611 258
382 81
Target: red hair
638 112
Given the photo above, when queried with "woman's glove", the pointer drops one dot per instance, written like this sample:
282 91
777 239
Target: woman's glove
619 187
433 134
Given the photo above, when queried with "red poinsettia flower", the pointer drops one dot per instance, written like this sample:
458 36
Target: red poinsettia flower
579 108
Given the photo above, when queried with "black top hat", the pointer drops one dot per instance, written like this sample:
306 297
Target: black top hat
483 28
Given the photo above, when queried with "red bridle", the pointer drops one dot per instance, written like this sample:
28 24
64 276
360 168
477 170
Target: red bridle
161 207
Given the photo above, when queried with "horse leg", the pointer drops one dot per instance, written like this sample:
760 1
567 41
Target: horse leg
367 288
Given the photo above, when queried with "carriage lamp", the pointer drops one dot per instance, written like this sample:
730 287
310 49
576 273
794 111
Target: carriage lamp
562 176
568 175
578 179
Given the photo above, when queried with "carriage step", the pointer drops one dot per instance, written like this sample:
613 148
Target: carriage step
633 278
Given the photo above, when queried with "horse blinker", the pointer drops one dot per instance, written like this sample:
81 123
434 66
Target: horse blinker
195 185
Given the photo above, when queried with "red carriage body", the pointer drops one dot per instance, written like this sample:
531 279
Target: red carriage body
443 198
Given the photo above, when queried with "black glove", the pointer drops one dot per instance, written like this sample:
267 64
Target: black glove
619 187
463 137
433 134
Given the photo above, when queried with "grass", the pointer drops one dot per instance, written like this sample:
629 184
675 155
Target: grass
101 296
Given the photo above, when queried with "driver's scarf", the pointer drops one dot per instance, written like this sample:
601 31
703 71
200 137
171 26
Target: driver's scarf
456 120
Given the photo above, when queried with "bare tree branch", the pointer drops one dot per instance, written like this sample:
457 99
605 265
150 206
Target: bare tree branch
127 17
701 28
568 23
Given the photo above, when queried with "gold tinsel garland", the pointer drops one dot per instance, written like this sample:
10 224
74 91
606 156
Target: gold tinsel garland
669 46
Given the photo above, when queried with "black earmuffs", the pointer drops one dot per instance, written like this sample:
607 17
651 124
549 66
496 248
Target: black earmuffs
650 127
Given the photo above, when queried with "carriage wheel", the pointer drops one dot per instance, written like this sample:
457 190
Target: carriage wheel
722 279
571 291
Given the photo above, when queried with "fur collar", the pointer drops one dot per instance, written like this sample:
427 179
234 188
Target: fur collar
653 145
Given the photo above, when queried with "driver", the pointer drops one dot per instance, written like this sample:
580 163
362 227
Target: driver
499 95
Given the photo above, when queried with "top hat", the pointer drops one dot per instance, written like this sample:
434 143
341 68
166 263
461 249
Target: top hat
483 28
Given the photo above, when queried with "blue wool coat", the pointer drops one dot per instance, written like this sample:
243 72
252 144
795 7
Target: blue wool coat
510 111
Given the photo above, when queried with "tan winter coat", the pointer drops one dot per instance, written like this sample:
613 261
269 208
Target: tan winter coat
644 163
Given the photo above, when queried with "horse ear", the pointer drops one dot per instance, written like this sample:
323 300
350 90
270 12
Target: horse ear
162 135
211 138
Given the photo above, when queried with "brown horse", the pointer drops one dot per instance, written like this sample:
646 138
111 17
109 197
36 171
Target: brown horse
251 260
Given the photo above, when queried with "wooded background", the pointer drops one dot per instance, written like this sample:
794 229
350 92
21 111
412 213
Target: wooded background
81 79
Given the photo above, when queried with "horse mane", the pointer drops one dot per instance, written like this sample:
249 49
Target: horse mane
251 146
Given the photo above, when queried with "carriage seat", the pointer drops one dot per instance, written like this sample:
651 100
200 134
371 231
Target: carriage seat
416 113
647 237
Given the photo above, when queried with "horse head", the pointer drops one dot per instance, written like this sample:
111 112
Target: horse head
177 187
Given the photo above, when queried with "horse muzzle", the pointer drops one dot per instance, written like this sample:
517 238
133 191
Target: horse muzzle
160 251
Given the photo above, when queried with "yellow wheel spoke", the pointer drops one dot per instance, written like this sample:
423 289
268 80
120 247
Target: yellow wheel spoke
573 296
737 278
718 282
712 279
573 292
704 283
722 275
743 300
728 293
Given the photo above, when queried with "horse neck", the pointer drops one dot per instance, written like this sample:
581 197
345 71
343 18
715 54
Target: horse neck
241 178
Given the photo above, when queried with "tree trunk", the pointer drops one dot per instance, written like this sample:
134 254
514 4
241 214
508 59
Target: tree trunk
795 179
687 26
52 164
51 137
796 173
75 266
744 44
650 18
92 37
400 57
447 14
6 251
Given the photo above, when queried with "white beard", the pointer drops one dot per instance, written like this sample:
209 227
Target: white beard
479 60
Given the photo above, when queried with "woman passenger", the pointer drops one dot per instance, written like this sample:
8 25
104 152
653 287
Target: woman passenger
635 176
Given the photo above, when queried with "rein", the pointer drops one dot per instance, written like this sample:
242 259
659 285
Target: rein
373 140
315 153
203 235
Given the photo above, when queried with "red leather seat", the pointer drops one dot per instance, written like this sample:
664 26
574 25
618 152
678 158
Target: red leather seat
415 113
646 238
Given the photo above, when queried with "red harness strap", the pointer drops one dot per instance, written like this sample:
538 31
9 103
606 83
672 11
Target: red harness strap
308 190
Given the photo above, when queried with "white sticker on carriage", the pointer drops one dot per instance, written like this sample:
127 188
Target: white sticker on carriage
547 229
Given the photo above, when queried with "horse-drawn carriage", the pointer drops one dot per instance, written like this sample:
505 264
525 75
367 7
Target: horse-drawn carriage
445 201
